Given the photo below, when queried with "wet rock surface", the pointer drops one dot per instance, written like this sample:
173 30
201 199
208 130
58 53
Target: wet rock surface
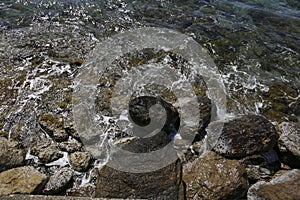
80 161
245 136
283 186
46 151
22 180
288 143
161 184
214 177
59 181
11 154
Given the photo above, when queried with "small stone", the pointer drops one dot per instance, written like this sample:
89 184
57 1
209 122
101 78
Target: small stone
22 180
59 181
288 143
88 190
80 160
11 155
70 146
246 136
214 177
285 185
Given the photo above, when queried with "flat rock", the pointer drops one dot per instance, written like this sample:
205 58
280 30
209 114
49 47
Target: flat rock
22 180
283 186
59 181
161 184
289 143
248 135
214 177
11 154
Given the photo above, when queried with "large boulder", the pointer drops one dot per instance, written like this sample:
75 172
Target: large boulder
214 177
282 186
22 180
289 143
161 184
11 154
245 136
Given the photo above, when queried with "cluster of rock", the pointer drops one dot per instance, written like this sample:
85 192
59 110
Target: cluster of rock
252 159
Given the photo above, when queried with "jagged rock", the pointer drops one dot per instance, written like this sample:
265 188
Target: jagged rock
59 181
46 151
70 146
88 190
289 143
245 136
282 186
54 126
22 180
80 161
161 184
214 177
11 154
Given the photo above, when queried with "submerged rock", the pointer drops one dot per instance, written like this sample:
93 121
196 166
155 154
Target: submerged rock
11 154
161 184
283 186
59 181
289 143
22 180
245 136
80 161
214 177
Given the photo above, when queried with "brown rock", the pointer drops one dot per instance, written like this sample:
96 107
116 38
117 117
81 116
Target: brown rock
22 180
59 181
11 154
80 161
289 143
283 186
245 136
214 177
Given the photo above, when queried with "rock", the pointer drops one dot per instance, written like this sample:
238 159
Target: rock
22 180
288 143
59 181
80 161
11 154
161 184
283 186
44 197
70 146
54 126
88 190
245 136
46 151
214 177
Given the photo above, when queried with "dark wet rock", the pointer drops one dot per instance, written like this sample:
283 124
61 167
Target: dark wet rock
11 154
214 177
54 126
88 190
259 167
46 151
161 184
59 181
22 180
70 146
289 143
80 161
285 185
245 136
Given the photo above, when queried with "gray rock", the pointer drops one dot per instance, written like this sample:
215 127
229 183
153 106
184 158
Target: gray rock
22 180
161 184
285 185
59 181
289 143
214 177
88 190
80 161
11 154
245 136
